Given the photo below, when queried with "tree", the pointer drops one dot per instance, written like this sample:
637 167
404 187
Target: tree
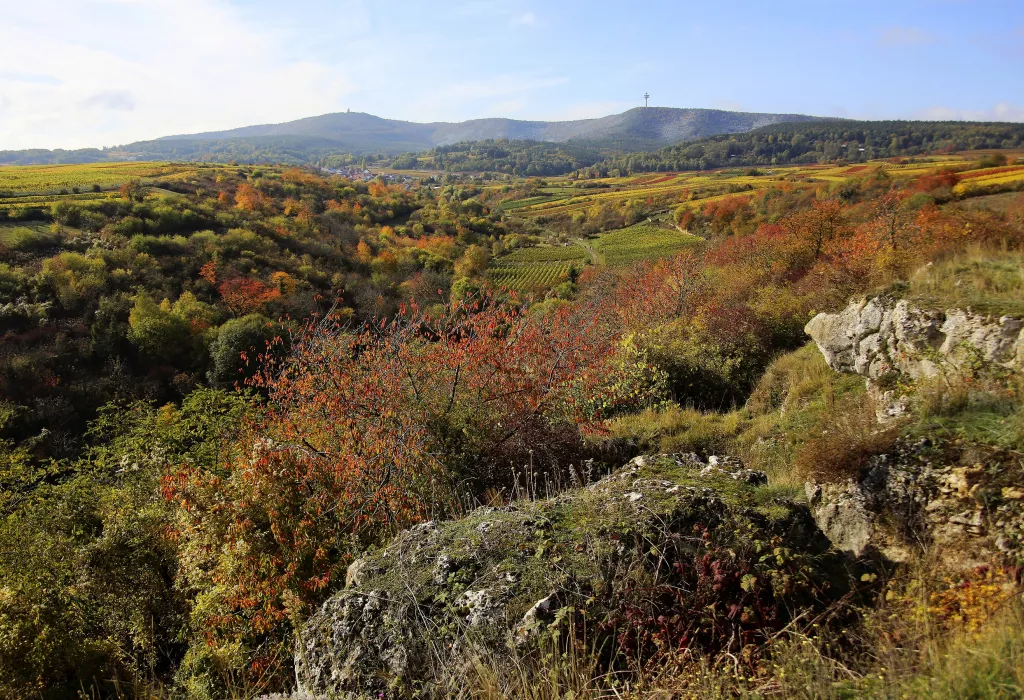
65 214
77 279
156 331
819 225
133 191
473 262
244 295
248 198
87 571
367 432
235 353
197 314
893 219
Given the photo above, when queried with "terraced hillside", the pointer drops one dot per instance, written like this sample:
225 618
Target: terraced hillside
536 269
560 203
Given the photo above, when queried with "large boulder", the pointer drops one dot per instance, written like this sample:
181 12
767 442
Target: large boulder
878 336
669 549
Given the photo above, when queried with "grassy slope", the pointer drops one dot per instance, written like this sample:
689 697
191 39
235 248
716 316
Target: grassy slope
986 282
797 396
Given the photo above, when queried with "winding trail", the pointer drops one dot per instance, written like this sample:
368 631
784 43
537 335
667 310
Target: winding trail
595 259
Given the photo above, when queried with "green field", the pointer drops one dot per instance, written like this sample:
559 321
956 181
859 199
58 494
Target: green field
20 180
563 196
529 201
36 188
640 242
542 267
536 269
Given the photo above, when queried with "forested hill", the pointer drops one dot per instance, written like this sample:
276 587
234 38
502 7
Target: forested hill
313 139
823 141
651 126
522 158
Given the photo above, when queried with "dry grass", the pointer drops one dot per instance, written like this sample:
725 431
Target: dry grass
931 635
844 441
987 281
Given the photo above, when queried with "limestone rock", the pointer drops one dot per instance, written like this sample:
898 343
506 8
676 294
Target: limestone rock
420 607
842 514
921 495
880 335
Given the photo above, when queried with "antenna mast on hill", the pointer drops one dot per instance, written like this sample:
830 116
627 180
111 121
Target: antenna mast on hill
645 99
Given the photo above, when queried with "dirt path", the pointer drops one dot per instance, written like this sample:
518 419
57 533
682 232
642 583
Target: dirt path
595 259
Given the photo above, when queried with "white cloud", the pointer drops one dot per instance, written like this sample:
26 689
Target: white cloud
111 71
117 100
527 19
1001 112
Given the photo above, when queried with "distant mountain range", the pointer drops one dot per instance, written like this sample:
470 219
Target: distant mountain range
360 132
312 139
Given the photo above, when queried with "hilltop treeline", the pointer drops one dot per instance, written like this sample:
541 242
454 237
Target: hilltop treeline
264 150
58 156
779 144
511 157
818 142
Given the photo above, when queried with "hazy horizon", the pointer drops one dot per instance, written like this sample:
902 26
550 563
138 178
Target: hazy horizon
106 72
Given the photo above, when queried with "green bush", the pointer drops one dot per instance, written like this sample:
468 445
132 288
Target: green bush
88 602
247 335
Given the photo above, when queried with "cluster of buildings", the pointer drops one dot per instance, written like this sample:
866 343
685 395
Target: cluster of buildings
356 174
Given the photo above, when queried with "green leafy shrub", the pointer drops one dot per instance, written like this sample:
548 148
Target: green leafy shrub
88 601
238 344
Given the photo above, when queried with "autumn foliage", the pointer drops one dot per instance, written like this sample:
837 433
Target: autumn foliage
366 431
248 198
244 295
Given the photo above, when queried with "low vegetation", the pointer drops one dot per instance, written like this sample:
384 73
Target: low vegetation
985 281
221 388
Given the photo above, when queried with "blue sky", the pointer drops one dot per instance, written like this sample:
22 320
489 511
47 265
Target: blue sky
79 73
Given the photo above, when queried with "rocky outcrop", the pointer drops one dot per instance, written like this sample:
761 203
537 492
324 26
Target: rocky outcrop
879 336
966 505
701 552
964 502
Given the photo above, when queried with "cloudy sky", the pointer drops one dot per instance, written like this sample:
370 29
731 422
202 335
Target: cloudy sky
77 73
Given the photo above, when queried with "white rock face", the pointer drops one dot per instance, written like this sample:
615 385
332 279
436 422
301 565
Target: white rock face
878 336
915 494
841 513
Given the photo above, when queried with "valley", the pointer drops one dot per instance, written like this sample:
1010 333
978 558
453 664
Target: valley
511 350
678 412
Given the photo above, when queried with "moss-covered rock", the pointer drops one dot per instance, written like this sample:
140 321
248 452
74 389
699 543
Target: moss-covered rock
667 551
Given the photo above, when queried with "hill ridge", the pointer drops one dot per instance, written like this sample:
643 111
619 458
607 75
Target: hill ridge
662 124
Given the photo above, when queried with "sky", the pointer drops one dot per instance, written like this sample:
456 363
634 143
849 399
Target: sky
81 73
